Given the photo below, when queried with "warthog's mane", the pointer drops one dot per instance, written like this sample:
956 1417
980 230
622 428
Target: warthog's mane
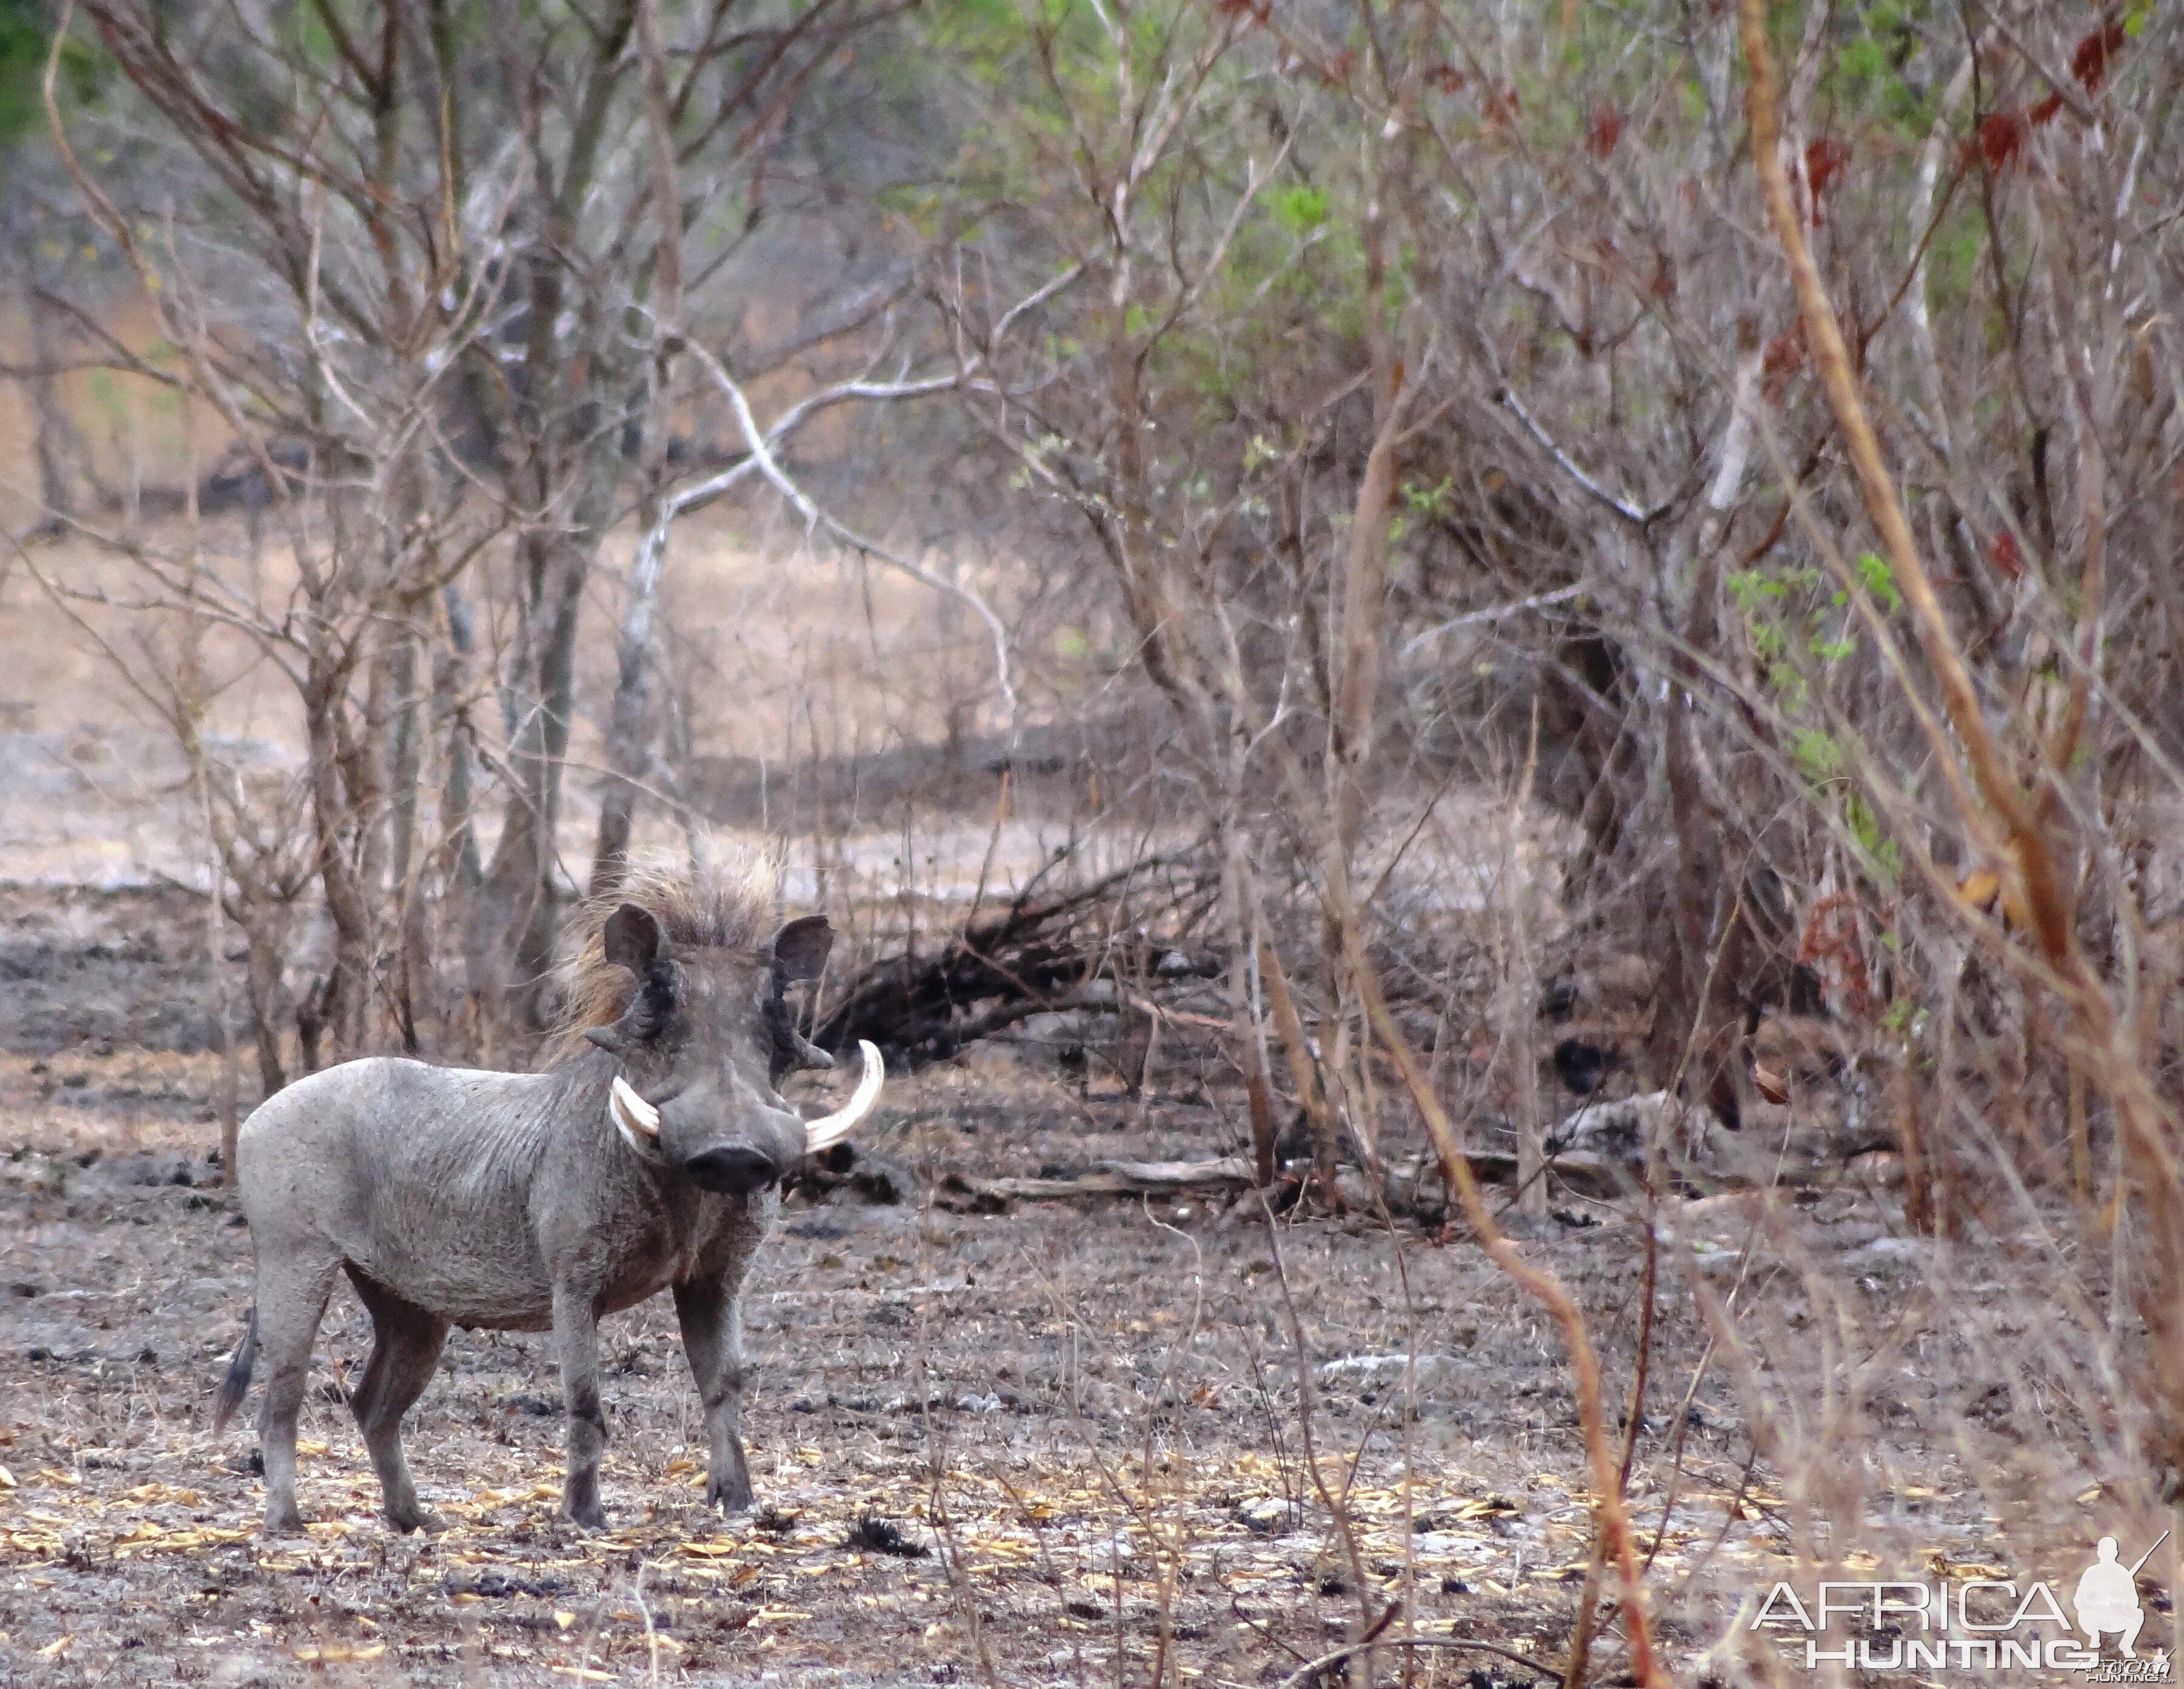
711 909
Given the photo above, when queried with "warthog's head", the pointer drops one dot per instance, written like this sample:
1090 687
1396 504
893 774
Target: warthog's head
703 1040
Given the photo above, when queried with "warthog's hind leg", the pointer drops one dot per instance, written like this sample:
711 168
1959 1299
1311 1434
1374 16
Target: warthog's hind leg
713 1339
292 1296
406 1342
576 1329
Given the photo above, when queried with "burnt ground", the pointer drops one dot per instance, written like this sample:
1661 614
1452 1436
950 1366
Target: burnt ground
96 970
1062 1443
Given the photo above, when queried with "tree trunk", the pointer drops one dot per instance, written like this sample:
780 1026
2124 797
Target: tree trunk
1695 1041
628 739
405 772
339 1009
461 873
629 735
55 438
553 569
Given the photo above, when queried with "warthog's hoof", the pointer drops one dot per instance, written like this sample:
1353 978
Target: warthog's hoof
287 1523
424 1519
585 1515
732 1494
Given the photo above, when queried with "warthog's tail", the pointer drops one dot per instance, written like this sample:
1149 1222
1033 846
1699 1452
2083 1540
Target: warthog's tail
233 1387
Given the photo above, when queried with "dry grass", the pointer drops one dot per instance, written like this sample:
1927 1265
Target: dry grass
1087 1417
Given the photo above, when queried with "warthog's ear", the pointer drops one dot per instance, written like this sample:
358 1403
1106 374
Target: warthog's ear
799 949
632 938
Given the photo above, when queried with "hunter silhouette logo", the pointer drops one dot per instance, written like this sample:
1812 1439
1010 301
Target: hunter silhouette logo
2108 1597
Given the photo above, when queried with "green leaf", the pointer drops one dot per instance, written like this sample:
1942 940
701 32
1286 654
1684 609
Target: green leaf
1300 207
1749 585
1820 758
1429 501
1875 575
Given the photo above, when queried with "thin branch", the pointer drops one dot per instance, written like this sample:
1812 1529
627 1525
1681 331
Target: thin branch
1538 601
755 439
1507 397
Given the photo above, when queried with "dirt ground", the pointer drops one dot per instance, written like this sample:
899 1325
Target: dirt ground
986 1385
1060 1442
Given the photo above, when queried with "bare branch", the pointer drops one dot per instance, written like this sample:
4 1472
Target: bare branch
756 442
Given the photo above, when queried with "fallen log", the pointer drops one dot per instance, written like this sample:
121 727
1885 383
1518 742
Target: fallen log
1588 1174
1224 1174
1171 1176
1060 952
1129 1179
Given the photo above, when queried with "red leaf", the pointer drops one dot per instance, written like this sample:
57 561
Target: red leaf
1605 130
1447 78
1831 947
1785 351
2089 62
2000 137
1501 103
1784 357
1825 160
2002 552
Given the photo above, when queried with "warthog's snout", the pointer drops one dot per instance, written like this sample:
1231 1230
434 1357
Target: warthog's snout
733 1169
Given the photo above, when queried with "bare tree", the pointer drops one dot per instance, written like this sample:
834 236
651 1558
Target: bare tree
410 276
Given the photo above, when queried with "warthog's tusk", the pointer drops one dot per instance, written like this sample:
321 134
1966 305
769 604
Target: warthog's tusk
831 1128
636 1119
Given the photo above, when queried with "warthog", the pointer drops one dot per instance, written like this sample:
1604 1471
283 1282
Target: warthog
647 1156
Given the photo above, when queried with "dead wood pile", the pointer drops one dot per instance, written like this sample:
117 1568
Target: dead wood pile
1081 950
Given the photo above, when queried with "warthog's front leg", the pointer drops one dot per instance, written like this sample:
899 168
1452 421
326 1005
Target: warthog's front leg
713 1339
576 1329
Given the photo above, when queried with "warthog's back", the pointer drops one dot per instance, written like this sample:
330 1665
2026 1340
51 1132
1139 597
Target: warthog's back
421 1176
